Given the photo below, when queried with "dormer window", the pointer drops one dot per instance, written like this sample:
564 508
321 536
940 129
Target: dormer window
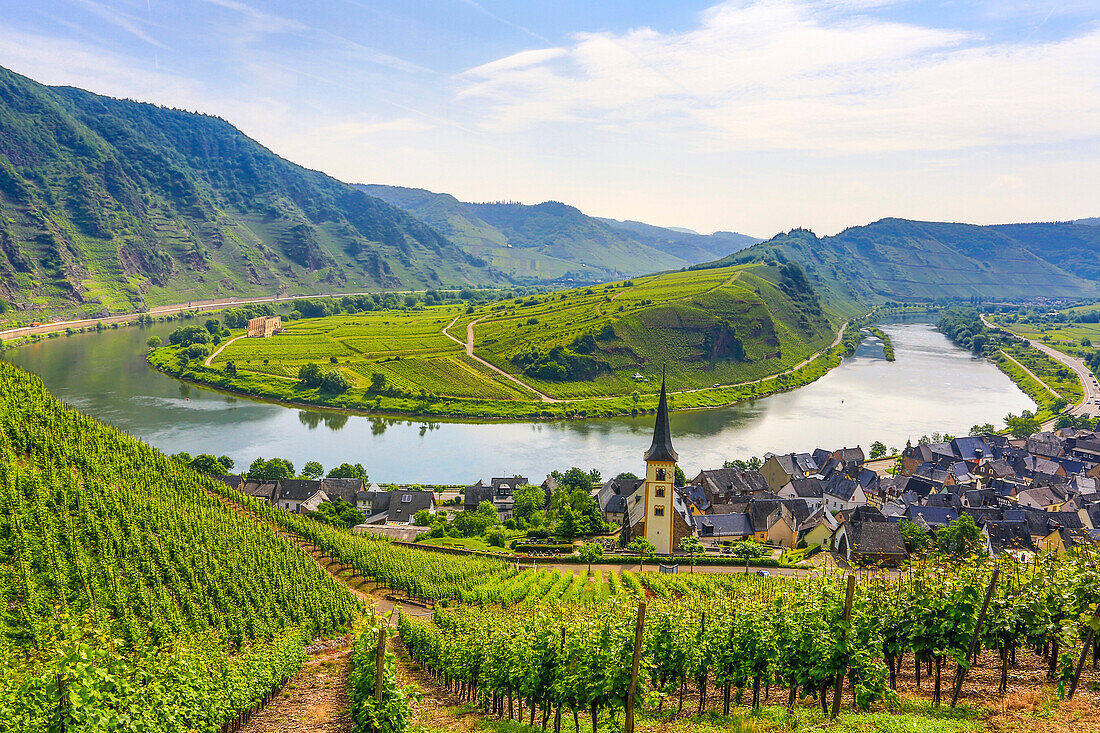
660 474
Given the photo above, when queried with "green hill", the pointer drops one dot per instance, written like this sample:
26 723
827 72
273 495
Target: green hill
593 350
114 205
124 580
898 259
555 241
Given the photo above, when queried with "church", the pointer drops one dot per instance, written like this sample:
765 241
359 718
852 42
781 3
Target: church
658 512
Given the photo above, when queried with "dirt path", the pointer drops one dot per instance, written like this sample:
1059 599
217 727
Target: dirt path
210 358
468 344
1030 373
314 701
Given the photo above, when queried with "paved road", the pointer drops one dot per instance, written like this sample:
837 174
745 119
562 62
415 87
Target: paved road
1084 375
195 305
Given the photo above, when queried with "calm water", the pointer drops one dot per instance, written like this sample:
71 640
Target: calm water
932 386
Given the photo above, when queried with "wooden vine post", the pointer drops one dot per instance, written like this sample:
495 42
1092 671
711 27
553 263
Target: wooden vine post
380 664
1084 654
838 686
960 673
639 628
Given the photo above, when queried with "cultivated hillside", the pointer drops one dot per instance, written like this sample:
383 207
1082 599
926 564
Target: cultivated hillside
125 580
898 259
112 204
555 241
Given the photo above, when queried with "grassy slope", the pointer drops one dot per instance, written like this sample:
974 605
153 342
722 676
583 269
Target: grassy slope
550 241
897 259
657 318
113 205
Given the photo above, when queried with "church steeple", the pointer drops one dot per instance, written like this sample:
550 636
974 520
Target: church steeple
661 449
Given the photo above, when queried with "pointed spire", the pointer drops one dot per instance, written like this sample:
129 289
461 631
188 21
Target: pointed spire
661 449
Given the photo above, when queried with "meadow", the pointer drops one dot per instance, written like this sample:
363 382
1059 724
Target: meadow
720 336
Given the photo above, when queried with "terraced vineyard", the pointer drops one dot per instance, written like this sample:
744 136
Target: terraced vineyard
129 591
587 351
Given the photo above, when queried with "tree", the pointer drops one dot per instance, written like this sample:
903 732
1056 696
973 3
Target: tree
188 335
679 478
377 382
626 475
897 468
338 513
231 368
1023 425
753 464
1058 405
747 549
643 548
590 552
917 541
275 469
309 375
422 518
566 528
960 538
206 463
526 500
495 537
227 463
692 546
347 470
487 510
984 429
335 382
153 342
313 470
878 449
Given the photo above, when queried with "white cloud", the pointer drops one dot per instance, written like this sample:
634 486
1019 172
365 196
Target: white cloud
805 76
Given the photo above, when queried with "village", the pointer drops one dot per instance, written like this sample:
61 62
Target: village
1017 496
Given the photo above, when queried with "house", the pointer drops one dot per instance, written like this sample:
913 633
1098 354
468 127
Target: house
810 490
1042 497
613 495
818 528
722 484
850 456
314 502
1008 535
499 493
930 518
345 489
870 543
264 490
405 503
841 492
291 493
231 480
778 470
264 326
735 526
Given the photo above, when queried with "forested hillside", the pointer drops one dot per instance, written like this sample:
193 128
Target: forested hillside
108 204
130 597
898 259
555 241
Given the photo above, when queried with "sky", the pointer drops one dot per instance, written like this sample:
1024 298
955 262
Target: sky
754 116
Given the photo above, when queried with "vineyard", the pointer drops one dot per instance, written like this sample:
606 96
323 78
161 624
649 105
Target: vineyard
800 642
592 351
132 598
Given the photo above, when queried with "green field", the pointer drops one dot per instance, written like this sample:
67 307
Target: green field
721 335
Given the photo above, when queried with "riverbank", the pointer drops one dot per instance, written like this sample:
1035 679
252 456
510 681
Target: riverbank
356 400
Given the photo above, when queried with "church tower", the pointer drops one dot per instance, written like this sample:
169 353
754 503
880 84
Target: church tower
660 475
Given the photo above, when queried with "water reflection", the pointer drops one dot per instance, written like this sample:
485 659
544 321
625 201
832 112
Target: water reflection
932 386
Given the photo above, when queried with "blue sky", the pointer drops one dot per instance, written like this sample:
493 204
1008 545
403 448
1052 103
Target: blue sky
747 115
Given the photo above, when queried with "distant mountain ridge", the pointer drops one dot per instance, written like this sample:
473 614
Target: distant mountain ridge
899 259
108 204
553 241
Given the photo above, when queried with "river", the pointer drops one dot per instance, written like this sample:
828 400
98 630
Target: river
932 386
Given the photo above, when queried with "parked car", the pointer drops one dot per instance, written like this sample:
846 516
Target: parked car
763 573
